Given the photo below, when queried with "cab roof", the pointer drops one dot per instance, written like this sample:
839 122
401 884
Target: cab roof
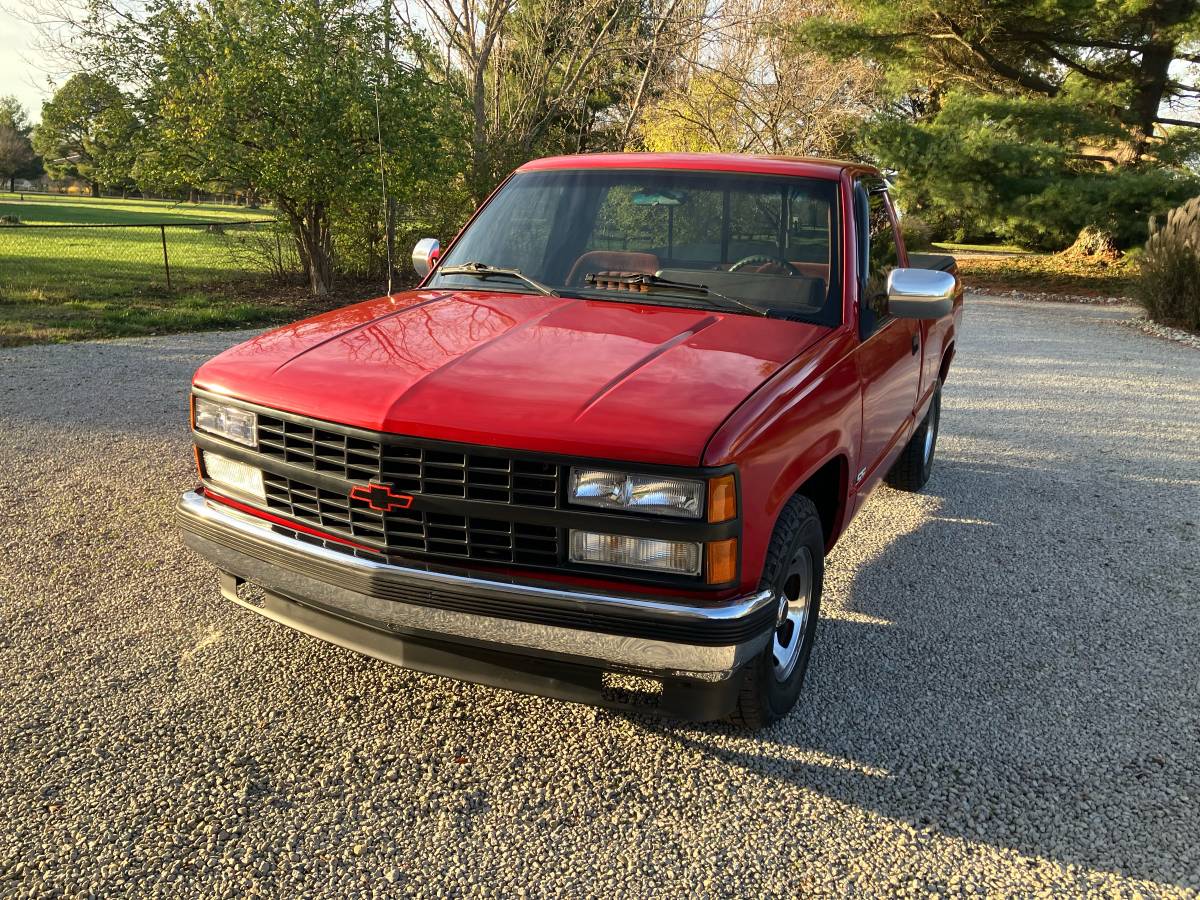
810 167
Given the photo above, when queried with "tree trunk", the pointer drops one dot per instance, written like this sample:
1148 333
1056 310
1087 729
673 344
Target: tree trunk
1156 63
481 161
480 168
310 225
95 187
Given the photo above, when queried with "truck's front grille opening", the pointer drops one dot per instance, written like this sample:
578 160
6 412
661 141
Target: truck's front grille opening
411 531
490 476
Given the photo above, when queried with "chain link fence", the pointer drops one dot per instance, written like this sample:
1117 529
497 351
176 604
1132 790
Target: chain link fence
104 261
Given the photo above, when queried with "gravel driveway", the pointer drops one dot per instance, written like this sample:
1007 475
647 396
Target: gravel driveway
1004 695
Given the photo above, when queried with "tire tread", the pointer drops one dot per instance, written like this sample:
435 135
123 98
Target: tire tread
910 471
752 710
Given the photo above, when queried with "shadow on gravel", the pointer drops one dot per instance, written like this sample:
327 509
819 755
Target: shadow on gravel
1034 687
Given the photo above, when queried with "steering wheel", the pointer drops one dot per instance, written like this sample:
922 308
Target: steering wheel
765 258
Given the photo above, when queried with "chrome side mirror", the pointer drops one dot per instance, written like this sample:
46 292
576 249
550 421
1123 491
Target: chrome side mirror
425 255
920 293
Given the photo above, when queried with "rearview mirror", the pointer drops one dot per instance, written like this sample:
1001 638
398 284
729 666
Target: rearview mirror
425 255
920 293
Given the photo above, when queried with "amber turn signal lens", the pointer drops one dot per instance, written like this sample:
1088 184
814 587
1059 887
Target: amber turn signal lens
199 465
720 561
722 499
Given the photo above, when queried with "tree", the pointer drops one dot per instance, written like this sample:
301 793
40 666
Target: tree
283 100
88 131
1116 59
12 114
17 156
546 76
1011 168
1028 121
746 90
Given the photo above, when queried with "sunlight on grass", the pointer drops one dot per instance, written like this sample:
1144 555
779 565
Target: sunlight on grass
43 209
59 284
1050 273
951 247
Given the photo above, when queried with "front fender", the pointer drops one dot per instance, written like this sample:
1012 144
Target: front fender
808 414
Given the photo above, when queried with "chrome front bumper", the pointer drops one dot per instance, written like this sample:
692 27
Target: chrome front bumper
314 584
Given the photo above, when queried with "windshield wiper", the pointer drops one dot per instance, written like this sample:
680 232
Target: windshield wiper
647 280
483 270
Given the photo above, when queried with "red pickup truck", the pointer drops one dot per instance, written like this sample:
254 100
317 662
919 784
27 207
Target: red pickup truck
601 452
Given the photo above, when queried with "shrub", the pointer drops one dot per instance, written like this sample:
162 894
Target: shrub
917 233
1168 283
1012 168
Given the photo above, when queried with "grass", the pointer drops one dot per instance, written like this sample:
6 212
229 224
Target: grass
1005 267
952 247
54 209
74 284
1050 273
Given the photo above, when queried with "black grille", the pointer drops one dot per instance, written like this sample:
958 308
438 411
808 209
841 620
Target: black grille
414 467
411 467
413 532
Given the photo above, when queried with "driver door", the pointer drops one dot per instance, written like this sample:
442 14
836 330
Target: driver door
889 356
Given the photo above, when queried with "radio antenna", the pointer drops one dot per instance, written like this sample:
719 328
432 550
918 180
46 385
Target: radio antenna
387 229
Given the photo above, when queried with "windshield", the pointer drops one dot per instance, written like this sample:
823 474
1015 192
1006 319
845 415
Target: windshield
768 242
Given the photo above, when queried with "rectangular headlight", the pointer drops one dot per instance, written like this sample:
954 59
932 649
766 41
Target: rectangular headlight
234 474
677 557
230 422
654 494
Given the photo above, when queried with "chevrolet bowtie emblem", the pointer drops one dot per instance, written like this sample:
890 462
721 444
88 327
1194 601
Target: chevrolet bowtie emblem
380 497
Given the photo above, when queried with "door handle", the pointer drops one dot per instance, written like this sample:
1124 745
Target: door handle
916 342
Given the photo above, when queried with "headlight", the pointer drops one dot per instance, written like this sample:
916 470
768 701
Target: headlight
229 422
234 474
654 494
678 557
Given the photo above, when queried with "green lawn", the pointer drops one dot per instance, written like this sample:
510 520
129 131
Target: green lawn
54 209
60 284
951 247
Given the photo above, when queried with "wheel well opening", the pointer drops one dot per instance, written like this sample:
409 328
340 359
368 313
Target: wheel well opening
826 488
945 369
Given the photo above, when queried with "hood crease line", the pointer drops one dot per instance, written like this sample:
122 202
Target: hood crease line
615 382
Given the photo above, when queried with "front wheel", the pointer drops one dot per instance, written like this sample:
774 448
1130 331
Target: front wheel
795 572
912 469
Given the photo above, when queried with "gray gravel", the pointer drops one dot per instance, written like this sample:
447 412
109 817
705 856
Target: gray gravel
1004 696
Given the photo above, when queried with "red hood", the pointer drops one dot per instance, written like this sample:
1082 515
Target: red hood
579 377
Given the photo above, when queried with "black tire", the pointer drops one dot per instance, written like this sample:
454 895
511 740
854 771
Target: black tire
766 696
911 470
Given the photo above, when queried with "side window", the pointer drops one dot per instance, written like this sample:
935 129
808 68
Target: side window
882 255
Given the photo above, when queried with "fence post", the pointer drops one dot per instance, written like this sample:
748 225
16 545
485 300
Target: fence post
166 262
